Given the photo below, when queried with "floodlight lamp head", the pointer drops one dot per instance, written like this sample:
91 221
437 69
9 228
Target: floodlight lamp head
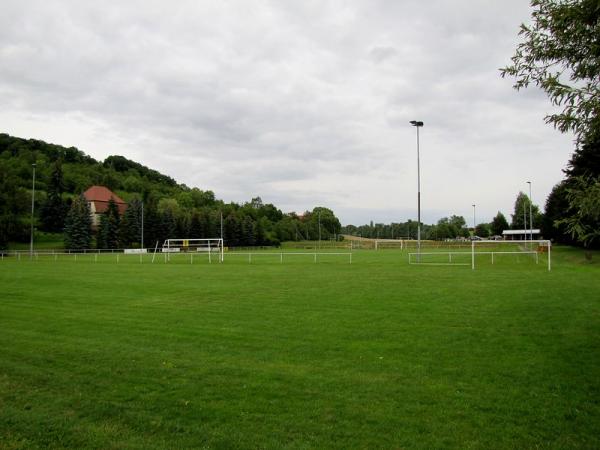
416 123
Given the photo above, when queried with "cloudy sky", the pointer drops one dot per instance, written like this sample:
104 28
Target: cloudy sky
304 103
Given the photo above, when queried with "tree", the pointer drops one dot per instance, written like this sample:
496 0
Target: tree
78 225
584 222
130 228
559 54
521 213
585 161
248 231
108 231
232 230
499 224
557 208
483 230
54 210
13 205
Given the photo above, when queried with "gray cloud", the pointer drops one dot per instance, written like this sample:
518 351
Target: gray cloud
303 103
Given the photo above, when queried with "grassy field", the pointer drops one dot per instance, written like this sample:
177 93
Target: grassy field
373 354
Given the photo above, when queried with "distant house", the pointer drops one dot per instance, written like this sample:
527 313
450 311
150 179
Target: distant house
98 198
521 235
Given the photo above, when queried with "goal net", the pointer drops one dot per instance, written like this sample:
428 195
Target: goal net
208 246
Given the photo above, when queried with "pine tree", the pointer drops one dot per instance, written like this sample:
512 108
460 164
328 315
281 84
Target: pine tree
78 225
112 224
130 228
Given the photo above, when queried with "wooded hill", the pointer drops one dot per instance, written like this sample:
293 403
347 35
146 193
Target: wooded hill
170 209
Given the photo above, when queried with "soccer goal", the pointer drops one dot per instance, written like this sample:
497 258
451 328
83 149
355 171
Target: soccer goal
517 248
208 246
493 252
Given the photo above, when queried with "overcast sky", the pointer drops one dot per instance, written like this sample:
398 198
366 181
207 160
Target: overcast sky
304 103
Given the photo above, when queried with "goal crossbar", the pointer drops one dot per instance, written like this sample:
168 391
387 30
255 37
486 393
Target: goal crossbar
209 245
539 242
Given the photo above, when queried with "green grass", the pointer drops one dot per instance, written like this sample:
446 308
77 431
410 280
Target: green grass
373 354
42 240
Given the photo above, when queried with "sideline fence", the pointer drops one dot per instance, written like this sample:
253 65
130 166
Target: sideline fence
96 256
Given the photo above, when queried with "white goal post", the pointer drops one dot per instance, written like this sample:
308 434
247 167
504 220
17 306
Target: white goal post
541 245
209 246
493 249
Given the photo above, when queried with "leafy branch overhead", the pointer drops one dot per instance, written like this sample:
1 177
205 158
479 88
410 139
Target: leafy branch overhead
560 53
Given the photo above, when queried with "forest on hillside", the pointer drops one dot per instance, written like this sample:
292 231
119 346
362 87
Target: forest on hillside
170 209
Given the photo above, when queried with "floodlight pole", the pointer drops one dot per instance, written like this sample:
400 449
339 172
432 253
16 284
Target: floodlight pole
418 124
530 214
32 210
473 220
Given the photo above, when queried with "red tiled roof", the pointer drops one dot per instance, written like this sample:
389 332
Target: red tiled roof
101 195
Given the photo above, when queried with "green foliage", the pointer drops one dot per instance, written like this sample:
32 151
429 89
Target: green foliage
13 206
521 217
172 210
113 220
54 210
130 227
449 228
559 54
557 208
78 225
583 221
483 230
585 161
499 224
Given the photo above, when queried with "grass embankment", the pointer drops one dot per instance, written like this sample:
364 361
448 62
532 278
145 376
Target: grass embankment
373 354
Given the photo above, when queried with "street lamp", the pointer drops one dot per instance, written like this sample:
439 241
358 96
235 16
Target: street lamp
32 207
530 214
418 124
473 220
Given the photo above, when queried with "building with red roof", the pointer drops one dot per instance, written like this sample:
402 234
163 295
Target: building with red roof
98 198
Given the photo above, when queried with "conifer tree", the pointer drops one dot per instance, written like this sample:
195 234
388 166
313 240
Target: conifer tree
112 224
78 225
130 228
